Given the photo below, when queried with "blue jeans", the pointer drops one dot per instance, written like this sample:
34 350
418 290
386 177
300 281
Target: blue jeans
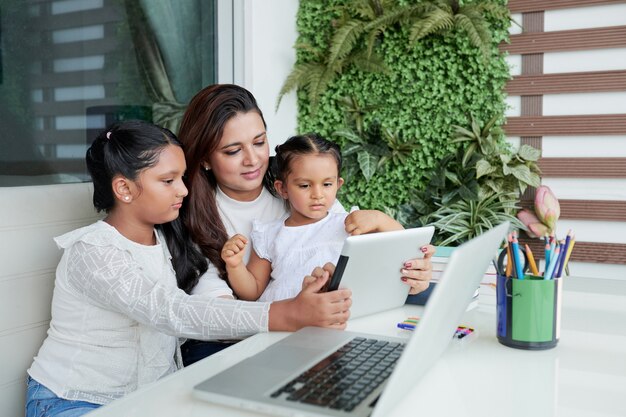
41 402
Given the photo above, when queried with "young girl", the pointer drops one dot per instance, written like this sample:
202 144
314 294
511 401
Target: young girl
308 179
117 311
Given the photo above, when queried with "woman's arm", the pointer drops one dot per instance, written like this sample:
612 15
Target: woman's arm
247 282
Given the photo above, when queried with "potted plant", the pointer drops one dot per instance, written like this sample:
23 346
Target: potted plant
476 188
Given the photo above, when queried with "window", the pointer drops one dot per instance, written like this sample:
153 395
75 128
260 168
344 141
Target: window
68 68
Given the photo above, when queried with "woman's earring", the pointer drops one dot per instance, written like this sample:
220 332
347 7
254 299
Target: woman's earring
126 198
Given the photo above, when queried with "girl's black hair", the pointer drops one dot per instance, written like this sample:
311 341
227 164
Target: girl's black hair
307 144
126 148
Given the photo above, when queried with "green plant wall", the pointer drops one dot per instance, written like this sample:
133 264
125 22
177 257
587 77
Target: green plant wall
430 86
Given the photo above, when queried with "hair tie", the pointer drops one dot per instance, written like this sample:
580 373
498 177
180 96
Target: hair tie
109 135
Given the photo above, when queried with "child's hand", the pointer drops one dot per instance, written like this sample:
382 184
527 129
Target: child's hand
233 250
362 221
367 221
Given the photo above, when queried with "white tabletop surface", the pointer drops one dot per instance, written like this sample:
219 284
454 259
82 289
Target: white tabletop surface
585 375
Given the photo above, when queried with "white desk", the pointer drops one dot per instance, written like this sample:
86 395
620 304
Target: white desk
585 375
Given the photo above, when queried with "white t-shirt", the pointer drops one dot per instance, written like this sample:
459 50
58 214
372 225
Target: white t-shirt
117 314
295 250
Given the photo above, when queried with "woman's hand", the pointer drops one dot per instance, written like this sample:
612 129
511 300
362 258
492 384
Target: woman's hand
311 307
417 273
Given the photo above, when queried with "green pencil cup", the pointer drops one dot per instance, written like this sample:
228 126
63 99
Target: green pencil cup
528 312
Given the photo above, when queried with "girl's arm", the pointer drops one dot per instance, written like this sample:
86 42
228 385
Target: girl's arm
312 306
360 222
110 278
247 282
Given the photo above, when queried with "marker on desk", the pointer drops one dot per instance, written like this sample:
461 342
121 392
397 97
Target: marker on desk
461 332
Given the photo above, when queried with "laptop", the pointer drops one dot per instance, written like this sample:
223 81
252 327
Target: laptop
370 266
326 372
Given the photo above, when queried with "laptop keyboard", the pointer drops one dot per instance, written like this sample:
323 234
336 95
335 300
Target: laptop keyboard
346 377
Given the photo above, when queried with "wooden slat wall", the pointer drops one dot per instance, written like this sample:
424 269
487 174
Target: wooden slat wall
520 6
567 40
578 82
604 210
531 125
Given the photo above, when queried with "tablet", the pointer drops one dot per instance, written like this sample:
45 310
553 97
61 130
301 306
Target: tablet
370 266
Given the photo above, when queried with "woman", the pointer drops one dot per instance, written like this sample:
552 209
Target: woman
230 185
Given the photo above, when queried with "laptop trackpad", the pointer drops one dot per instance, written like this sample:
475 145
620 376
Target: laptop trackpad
287 358
274 365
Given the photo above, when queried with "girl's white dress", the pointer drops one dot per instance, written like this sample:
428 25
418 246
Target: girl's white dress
295 251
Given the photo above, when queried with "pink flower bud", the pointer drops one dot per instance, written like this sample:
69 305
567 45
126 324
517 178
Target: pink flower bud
534 227
547 207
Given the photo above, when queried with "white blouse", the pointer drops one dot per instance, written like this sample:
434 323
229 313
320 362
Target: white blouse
117 313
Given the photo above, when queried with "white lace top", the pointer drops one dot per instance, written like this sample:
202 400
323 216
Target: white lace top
295 251
117 313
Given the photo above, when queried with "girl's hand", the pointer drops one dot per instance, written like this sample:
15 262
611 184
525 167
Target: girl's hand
360 222
233 250
312 306
418 272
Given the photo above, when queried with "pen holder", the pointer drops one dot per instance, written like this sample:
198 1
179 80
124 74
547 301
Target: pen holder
528 312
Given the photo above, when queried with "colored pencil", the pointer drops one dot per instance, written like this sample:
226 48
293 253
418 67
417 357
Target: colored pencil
531 260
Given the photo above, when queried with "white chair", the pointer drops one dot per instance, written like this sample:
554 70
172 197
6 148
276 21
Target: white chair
29 218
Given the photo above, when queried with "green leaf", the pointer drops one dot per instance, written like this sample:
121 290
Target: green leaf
350 149
344 40
367 163
529 153
349 135
483 167
469 152
522 173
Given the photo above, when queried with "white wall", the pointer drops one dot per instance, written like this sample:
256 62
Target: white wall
268 55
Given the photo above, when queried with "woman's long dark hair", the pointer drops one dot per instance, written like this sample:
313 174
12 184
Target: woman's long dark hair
127 148
200 133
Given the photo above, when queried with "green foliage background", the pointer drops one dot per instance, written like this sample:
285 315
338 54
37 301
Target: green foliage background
431 85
